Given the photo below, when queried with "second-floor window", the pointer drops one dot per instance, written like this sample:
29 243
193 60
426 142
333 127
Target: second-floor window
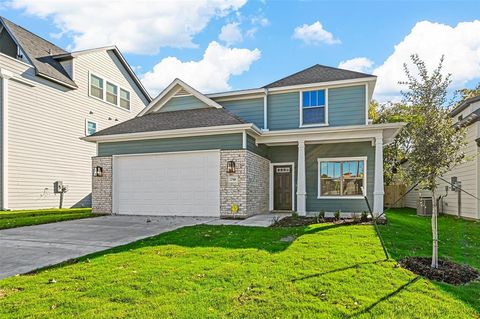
112 93
125 99
107 91
313 107
96 86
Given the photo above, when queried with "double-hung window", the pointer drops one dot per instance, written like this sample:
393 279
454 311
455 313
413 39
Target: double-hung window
112 93
313 107
96 86
124 99
341 177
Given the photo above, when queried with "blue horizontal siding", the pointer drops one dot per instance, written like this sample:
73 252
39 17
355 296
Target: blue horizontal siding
313 152
251 110
196 143
260 149
283 111
281 154
183 103
346 106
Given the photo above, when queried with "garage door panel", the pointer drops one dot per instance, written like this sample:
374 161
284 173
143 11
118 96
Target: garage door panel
183 184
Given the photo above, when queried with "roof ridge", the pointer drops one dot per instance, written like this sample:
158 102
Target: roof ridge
34 34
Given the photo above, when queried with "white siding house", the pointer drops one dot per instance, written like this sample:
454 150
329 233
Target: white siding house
466 173
44 115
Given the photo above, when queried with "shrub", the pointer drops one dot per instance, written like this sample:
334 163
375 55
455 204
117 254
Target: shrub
364 217
337 214
321 214
295 214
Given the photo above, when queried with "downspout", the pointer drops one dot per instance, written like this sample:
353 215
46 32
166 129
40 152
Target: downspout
265 110
5 76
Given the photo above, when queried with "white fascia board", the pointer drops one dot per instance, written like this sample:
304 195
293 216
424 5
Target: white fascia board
322 84
157 103
198 131
233 94
346 133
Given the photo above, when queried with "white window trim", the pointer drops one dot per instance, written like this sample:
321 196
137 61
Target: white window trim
301 108
271 186
342 159
116 95
104 100
86 126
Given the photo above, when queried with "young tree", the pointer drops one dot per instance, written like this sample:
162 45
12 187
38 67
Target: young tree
435 144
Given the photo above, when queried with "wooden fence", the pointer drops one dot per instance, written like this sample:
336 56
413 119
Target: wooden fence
392 195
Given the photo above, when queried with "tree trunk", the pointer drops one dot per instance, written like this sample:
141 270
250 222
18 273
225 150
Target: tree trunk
434 230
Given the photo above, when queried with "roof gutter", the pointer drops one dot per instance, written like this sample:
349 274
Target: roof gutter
197 131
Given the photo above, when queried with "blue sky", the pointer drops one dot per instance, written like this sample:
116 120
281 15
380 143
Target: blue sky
260 44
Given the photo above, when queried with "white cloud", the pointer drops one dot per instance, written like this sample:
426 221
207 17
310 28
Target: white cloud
360 64
460 45
231 33
211 73
134 26
314 34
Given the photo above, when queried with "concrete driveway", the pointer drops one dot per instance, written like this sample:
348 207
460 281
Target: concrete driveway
25 249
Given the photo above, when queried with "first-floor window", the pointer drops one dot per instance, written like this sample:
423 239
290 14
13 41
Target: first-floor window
341 177
91 127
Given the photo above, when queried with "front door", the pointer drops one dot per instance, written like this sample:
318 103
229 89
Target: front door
282 187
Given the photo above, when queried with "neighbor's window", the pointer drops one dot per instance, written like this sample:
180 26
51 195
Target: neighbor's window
112 93
313 107
96 86
91 127
125 99
341 178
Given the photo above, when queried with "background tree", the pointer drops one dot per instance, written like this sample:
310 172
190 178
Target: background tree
434 145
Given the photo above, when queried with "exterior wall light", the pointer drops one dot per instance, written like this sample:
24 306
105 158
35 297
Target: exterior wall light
98 171
230 167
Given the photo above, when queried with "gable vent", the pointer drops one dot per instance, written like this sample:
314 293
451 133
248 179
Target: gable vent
182 92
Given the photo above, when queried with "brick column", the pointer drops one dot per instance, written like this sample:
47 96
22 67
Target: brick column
102 186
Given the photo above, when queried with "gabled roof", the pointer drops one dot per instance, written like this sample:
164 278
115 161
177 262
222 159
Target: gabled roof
116 51
317 74
40 53
169 92
46 56
462 106
174 120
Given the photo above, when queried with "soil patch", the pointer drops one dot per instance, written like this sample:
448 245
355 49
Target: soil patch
447 271
296 221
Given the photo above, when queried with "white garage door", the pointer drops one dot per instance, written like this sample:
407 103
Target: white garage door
180 184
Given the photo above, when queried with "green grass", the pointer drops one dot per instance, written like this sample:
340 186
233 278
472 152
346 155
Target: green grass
328 271
407 234
11 219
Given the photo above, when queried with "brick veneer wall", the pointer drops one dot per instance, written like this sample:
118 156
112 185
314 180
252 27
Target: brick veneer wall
258 180
102 186
248 187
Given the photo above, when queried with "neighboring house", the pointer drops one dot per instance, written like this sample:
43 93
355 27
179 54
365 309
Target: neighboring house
302 143
51 98
455 202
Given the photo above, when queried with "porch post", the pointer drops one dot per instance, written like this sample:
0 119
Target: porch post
378 186
301 189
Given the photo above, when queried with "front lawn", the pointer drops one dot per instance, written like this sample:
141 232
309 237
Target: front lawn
11 219
407 234
327 271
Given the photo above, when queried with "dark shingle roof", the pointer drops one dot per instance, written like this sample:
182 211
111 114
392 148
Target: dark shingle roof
316 74
40 52
163 121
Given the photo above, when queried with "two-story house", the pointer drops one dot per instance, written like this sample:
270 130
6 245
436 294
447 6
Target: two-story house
50 98
303 143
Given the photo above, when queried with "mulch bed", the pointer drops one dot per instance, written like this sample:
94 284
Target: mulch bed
447 271
292 221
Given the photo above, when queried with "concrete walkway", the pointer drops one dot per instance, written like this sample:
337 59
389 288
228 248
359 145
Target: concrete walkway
25 249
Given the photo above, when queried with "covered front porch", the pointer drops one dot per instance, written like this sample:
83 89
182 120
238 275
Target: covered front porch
328 170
